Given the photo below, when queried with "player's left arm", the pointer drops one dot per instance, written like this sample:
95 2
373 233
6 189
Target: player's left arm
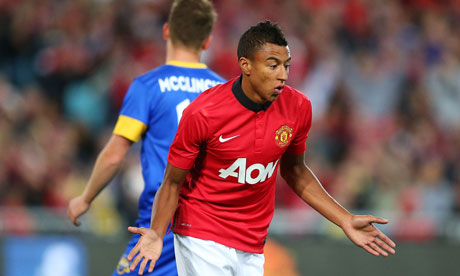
150 244
359 229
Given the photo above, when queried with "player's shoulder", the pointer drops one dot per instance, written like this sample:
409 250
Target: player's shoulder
218 89
217 94
211 98
295 95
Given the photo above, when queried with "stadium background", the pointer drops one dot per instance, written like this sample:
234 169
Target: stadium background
383 77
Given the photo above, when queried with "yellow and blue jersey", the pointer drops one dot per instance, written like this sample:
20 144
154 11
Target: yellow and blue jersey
150 113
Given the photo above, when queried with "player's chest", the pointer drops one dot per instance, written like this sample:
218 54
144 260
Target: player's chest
265 134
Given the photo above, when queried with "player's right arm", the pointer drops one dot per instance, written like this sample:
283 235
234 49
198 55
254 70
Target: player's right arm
131 125
107 164
150 244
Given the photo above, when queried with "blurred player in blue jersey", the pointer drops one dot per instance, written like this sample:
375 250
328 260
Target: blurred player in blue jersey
151 111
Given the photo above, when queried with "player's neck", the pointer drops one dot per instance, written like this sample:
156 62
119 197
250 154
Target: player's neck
178 53
250 92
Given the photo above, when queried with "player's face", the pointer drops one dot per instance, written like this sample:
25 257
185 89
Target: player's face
268 72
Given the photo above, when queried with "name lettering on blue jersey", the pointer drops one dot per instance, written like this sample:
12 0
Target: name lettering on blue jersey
187 84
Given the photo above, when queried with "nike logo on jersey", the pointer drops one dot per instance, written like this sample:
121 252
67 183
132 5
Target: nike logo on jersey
223 140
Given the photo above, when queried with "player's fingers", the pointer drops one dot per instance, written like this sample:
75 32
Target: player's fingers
136 262
142 266
133 252
152 265
74 219
378 249
134 230
378 220
70 215
387 240
385 246
370 250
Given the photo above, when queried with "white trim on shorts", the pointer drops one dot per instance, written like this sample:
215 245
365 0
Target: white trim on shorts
197 257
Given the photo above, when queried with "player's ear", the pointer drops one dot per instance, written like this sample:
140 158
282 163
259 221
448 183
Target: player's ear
245 66
206 43
166 31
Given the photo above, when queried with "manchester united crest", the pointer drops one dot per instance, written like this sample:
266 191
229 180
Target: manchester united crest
283 135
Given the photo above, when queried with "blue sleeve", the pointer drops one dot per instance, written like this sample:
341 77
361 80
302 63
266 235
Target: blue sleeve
136 103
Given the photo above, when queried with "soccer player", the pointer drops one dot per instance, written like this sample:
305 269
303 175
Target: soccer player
219 183
151 112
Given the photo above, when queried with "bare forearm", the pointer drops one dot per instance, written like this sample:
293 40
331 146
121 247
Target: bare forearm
358 228
164 206
307 186
103 172
166 199
107 164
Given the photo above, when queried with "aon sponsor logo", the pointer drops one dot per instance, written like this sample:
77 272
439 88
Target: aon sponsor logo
252 175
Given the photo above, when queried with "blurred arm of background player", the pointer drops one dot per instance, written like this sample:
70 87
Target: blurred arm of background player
105 168
359 229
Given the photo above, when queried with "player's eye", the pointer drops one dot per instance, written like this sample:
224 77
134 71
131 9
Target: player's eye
273 66
287 66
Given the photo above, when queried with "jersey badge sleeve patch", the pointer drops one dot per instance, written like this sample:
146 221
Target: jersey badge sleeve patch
283 135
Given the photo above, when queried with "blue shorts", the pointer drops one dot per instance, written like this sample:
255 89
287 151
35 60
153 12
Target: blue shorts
166 264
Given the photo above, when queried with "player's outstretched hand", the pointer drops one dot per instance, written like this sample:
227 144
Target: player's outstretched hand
362 232
149 248
77 207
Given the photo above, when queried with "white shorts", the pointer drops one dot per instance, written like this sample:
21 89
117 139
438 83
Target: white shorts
197 257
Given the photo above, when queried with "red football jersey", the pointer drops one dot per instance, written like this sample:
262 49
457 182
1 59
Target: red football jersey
233 147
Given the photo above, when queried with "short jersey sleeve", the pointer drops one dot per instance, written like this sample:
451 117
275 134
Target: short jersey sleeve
135 111
191 135
298 144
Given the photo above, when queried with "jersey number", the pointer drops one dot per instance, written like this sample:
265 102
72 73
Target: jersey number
180 108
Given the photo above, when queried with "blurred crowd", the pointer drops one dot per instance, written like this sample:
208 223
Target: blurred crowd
383 77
